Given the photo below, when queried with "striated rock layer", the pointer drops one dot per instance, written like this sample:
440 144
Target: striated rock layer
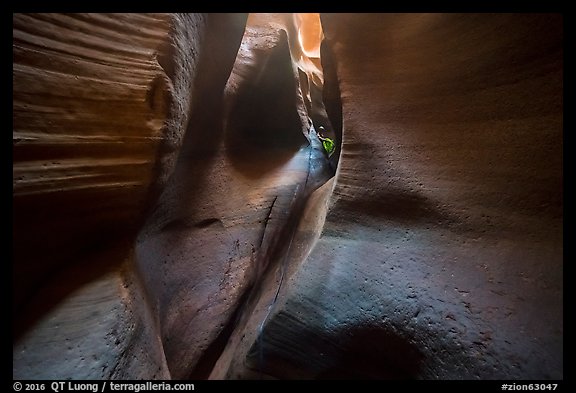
155 240
101 105
90 100
441 254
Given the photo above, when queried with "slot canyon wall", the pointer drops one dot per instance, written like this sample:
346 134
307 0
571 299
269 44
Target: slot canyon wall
101 106
174 215
441 254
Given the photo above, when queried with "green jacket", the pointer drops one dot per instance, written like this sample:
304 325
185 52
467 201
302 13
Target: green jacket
328 145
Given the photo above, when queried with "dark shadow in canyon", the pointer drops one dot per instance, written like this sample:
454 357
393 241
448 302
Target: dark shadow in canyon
263 128
98 258
397 206
360 352
376 354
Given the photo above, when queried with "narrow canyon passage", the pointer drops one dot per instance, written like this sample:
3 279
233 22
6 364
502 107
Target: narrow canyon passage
236 196
179 213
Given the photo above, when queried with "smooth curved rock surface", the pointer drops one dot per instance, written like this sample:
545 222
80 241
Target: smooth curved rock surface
226 214
441 254
101 105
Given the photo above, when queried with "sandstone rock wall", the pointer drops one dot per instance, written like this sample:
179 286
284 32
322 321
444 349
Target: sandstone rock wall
226 216
441 255
101 105
175 218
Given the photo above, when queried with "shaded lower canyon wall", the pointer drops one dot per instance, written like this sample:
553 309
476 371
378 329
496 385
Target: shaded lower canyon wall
176 217
441 254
